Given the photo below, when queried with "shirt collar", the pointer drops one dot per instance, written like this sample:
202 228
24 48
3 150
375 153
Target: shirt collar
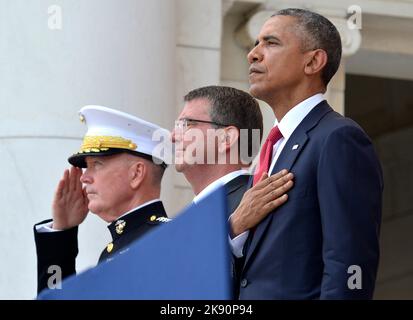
293 118
139 207
217 183
134 219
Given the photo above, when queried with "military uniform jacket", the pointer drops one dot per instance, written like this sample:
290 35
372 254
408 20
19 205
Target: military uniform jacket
60 248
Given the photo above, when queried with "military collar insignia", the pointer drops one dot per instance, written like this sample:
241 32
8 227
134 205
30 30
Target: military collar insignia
120 226
156 219
163 219
136 219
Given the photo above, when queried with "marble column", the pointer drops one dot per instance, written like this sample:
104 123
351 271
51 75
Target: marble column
199 26
55 57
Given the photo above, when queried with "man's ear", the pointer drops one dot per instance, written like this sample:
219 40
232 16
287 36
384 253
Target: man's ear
137 173
229 138
317 59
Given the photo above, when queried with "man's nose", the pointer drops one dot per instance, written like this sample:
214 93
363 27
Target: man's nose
173 136
177 135
254 55
86 177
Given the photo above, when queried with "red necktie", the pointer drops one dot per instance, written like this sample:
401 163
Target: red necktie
266 153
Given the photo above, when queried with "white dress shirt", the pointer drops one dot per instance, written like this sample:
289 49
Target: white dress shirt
47 227
287 126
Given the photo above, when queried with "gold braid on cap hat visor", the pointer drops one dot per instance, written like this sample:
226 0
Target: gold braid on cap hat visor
104 143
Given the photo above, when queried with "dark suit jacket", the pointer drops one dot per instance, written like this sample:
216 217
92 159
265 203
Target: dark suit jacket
235 190
60 248
331 221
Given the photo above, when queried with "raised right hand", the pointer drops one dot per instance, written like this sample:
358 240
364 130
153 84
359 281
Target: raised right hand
70 203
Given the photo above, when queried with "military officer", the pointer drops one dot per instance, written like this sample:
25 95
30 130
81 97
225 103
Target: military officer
120 183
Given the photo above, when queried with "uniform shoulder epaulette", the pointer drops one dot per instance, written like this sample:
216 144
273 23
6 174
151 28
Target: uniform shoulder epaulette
158 220
163 219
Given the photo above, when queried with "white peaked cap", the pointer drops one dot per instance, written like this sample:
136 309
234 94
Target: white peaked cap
110 131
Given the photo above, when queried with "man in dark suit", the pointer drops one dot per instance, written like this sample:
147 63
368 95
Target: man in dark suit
122 183
216 136
324 242
214 143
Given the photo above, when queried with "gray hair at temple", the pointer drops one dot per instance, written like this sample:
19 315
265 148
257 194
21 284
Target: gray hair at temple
317 32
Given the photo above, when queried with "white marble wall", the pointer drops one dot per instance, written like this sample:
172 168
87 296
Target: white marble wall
198 46
117 55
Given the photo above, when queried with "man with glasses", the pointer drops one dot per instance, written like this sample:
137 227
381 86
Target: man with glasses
216 137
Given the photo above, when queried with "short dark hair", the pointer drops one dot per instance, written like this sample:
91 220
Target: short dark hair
232 107
317 32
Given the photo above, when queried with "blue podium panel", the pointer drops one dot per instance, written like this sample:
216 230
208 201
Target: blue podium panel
187 258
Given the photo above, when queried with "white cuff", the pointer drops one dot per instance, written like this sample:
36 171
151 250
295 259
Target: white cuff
46 227
237 244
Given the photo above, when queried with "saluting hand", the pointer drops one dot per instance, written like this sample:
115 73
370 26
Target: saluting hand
268 194
70 204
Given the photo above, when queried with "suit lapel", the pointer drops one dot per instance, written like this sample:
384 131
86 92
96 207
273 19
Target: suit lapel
286 160
237 183
235 190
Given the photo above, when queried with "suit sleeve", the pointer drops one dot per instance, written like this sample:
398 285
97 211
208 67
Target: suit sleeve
58 248
350 186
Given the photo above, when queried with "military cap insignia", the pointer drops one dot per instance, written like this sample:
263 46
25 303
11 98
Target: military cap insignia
111 131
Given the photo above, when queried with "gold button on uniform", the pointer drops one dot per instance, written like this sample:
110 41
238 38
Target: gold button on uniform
152 218
109 248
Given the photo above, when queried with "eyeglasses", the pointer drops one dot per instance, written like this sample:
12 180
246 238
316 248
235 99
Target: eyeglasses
182 124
